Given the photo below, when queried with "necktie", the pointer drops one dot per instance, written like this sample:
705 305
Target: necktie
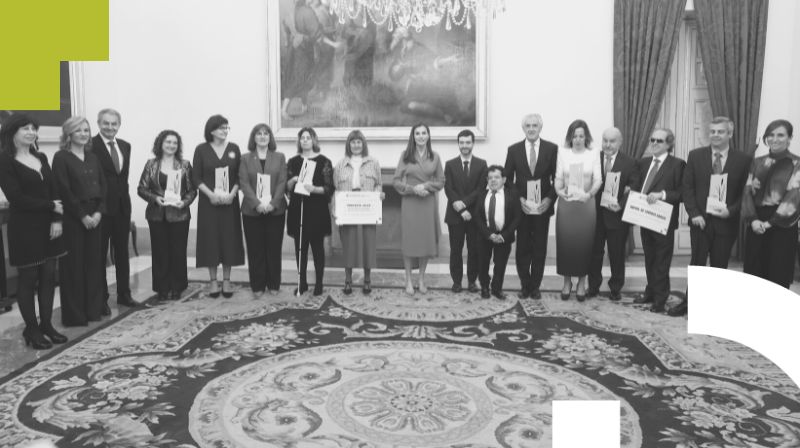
492 207
114 156
466 168
717 163
533 159
608 166
650 176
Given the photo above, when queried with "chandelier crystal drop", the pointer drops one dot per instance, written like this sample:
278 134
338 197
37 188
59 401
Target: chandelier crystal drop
416 14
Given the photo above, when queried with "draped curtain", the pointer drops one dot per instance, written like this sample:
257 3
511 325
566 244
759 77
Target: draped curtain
645 39
732 35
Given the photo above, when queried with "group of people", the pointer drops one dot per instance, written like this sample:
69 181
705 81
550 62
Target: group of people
80 207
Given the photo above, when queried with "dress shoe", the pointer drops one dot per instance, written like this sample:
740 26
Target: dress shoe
127 300
298 291
580 297
536 294
472 287
348 288
565 295
657 308
367 287
592 292
33 337
54 336
213 289
174 295
106 311
499 294
679 310
485 293
524 293
318 289
615 296
456 287
644 298
163 296
226 292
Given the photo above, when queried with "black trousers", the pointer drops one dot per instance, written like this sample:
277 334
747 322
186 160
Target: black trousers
771 255
116 229
709 243
657 262
615 239
301 255
458 233
264 237
532 250
168 242
81 273
40 281
487 251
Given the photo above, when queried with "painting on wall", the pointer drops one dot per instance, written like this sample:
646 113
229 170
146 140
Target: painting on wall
337 76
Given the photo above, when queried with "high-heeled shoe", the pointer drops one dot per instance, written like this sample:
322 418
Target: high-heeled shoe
367 287
565 295
52 334
226 293
348 288
213 289
33 337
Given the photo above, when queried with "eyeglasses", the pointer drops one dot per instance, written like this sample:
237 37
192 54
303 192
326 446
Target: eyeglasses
656 140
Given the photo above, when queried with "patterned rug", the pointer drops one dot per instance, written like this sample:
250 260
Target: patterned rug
388 370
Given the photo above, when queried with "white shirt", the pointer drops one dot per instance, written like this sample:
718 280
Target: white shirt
116 148
532 147
499 208
355 163
610 162
724 157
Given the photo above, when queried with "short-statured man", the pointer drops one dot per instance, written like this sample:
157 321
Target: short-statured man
114 155
713 230
610 229
497 213
464 180
532 159
662 180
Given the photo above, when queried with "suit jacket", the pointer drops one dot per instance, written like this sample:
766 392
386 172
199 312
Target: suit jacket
518 172
150 188
669 179
118 198
696 185
513 215
249 169
458 187
629 177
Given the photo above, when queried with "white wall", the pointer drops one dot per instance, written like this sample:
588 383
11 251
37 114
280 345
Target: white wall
173 63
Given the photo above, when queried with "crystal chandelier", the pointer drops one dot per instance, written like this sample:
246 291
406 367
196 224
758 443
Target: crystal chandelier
415 14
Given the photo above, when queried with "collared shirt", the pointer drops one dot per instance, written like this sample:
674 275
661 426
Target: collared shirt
532 146
116 148
724 154
499 208
610 163
661 160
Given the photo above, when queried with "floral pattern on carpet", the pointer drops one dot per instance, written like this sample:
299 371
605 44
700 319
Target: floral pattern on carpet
241 372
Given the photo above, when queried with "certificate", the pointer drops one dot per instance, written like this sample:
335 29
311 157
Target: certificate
263 188
221 180
655 217
717 193
575 184
306 177
358 207
172 194
534 197
611 190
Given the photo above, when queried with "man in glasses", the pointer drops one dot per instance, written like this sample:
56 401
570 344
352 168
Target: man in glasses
662 176
713 224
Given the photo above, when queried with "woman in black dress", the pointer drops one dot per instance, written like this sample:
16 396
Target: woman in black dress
219 224
168 215
82 187
313 206
34 226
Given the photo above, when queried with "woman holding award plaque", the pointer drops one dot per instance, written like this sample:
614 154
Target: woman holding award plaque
219 226
166 185
419 176
309 220
578 179
357 171
262 178
771 207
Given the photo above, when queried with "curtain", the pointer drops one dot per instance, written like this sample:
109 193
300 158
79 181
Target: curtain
732 36
645 39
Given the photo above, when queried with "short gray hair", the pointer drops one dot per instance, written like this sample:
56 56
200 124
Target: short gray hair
529 116
111 111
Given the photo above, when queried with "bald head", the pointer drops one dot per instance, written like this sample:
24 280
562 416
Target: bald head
612 141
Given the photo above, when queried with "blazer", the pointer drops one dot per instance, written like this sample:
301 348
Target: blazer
513 210
518 172
81 184
669 179
458 187
629 177
118 198
696 184
250 168
150 188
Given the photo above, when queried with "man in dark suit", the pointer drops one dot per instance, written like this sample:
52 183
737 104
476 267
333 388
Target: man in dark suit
713 230
610 229
464 180
662 175
497 214
532 159
115 158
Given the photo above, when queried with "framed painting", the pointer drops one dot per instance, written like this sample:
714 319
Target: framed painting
336 77
71 102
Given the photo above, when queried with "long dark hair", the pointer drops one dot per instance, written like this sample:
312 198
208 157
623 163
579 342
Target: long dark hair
314 139
158 145
409 155
10 127
575 125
